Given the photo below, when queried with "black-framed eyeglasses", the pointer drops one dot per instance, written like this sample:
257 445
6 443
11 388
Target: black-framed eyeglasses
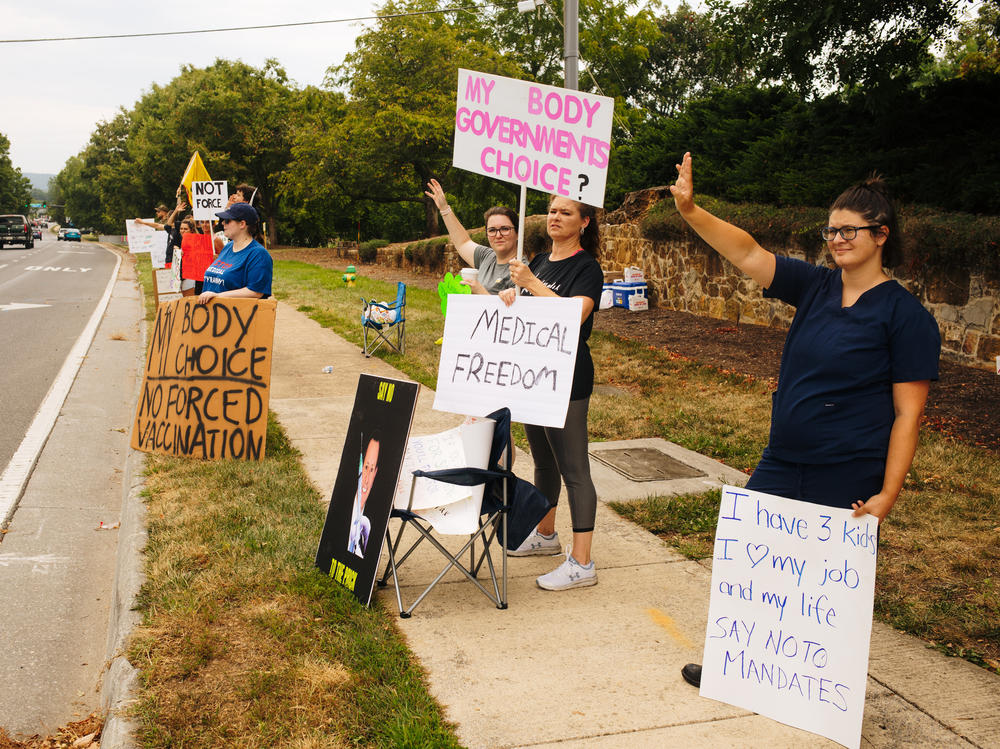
503 231
847 232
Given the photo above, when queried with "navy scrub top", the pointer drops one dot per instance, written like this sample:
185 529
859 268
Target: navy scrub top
834 396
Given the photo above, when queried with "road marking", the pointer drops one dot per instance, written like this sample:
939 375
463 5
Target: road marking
668 624
74 252
57 268
20 305
16 474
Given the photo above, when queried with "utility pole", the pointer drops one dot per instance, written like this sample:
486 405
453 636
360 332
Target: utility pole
571 44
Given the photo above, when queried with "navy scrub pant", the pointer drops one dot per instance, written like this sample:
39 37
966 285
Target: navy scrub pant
830 484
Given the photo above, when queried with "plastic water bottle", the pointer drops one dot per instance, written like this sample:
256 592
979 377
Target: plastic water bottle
327 369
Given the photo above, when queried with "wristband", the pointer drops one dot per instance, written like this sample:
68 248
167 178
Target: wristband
445 211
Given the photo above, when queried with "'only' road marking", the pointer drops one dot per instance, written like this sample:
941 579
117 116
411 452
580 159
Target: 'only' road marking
57 268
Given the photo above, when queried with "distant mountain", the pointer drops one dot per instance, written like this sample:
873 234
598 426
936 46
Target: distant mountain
38 180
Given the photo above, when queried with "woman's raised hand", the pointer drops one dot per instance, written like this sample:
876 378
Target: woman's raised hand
435 192
683 188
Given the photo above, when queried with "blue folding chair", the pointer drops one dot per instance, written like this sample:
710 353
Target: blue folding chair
377 333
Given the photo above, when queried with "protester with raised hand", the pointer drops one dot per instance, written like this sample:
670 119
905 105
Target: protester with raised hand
569 270
170 222
243 268
856 365
491 262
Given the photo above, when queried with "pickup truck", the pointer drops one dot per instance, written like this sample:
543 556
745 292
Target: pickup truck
15 229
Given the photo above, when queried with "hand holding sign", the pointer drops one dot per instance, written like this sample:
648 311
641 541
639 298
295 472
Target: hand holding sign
789 619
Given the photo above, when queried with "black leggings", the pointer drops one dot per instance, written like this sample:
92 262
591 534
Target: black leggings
562 453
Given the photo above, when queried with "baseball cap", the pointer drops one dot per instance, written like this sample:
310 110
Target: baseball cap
240 212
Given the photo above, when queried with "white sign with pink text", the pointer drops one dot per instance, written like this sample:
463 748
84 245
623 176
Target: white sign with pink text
550 139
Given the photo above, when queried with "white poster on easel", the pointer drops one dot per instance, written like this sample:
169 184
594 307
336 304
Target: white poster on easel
790 613
521 357
555 140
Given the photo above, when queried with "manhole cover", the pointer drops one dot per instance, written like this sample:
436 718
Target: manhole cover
646 464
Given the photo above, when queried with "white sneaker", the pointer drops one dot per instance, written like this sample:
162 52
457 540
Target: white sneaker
569 574
537 545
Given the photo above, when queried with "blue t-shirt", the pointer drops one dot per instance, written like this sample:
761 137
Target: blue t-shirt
251 267
834 396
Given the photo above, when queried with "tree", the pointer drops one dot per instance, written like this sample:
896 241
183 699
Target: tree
841 43
15 188
975 49
688 59
239 117
397 128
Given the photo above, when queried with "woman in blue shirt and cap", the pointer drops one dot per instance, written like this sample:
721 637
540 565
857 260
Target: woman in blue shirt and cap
856 365
243 268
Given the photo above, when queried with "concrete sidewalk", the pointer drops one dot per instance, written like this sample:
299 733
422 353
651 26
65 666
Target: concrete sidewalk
599 666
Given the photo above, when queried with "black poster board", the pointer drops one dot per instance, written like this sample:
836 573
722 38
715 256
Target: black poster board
350 548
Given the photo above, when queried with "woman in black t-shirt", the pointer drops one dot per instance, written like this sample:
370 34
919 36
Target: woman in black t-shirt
569 270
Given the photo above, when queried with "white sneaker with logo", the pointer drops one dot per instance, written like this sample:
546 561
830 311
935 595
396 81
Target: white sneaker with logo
537 545
569 574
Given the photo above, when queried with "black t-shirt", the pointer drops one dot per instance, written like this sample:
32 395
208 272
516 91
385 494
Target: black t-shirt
578 275
174 237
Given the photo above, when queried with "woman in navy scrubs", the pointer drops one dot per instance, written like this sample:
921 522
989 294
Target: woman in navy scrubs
857 362
243 268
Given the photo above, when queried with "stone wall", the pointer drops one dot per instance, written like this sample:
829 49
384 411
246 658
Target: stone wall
688 276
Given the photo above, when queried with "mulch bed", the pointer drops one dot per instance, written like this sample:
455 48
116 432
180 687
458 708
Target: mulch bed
962 404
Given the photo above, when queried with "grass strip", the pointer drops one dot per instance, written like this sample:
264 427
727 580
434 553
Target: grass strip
243 641
939 553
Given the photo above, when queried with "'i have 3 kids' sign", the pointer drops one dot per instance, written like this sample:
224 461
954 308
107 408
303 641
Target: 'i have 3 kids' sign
790 614
550 139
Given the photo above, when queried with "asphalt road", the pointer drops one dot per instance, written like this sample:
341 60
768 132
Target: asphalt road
65 280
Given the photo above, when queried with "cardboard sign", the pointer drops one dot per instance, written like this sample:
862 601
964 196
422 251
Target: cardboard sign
790 615
546 138
208 199
207 380
521 357
142 238
350 548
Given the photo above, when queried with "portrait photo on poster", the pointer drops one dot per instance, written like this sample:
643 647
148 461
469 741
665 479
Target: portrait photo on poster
350 546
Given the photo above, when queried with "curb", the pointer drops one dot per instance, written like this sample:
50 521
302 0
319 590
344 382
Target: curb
121 678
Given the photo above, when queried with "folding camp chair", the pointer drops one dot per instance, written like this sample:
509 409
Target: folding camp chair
375 332
510 511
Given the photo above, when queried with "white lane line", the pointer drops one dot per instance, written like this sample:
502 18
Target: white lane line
15 475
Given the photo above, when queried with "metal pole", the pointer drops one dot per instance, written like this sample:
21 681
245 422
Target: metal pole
571 43
520 223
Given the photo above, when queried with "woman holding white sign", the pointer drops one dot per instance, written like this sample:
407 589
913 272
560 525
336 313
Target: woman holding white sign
569 270
491 262
856 365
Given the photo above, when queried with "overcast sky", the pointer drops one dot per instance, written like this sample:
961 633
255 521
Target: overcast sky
54 93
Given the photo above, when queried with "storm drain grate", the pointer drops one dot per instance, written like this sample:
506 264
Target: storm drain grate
646 464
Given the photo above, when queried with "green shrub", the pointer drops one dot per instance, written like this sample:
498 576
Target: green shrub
368 251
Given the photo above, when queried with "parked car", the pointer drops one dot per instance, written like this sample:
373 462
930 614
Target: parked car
15 229
69 234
